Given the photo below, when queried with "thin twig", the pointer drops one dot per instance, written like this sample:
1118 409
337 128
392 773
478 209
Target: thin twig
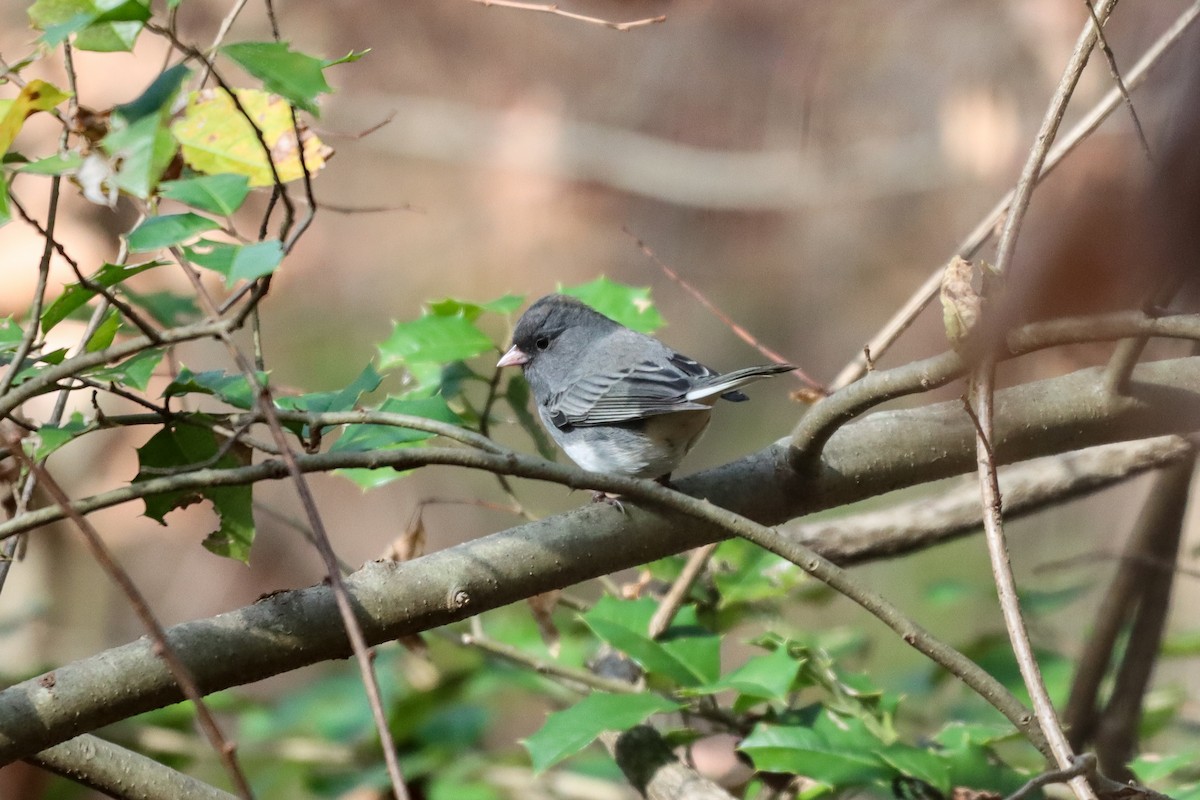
823 420
35 315
125 308
671 603
1082 765
577 679
224 748
1158 565
737 329
484 428
980 409
363 656
552 8
983 232
1115 71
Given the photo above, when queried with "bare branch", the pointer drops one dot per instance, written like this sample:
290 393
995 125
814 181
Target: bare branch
552 8
101 765
983 232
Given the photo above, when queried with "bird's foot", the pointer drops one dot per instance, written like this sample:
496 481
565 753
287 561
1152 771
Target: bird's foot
610 499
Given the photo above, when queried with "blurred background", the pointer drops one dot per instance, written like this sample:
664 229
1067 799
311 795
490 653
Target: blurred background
804 164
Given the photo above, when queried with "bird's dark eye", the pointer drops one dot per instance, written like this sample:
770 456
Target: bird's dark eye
542 343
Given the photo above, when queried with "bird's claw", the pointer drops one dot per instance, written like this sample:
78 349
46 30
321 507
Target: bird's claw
610 499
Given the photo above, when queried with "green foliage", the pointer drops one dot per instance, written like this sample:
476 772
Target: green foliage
156 233
628 305
217 194
433 339
235 390
75 295
252 261
567 732
687 655
294 76
189 444
101 25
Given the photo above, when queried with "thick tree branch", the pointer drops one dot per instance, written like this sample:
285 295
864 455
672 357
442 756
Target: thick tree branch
954 512
883 451
117 772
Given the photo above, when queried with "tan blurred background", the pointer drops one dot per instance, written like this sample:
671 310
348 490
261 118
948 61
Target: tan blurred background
805 164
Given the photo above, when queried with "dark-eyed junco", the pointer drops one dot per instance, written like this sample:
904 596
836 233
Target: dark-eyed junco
616 400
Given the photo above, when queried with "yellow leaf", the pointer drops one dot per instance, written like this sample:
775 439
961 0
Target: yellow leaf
216 137
35 96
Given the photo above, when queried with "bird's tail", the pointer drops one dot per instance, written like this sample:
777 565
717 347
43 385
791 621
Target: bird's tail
726 385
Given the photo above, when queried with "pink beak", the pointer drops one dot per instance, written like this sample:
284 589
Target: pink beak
514 357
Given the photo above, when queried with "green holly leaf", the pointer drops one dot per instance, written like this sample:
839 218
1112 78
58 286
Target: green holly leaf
52 437
432 339
100 25
158 95
764 677
105 332
216 194
76 295
567 732
451 307
232 389
628 305
839 753
362 438
171 229
143 150
189 444
237 261
134 372
344 399
57 164
686 654
283 71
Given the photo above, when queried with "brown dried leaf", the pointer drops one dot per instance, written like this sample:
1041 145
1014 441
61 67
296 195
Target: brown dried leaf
961 304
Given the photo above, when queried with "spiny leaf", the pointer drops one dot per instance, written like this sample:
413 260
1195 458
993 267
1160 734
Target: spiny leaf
190 444
628 305
158 232
282 70
567 732
432 339
216 194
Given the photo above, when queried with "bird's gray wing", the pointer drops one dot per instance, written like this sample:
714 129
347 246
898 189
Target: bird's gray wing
654 384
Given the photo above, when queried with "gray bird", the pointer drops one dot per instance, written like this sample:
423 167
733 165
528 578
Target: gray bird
617 401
